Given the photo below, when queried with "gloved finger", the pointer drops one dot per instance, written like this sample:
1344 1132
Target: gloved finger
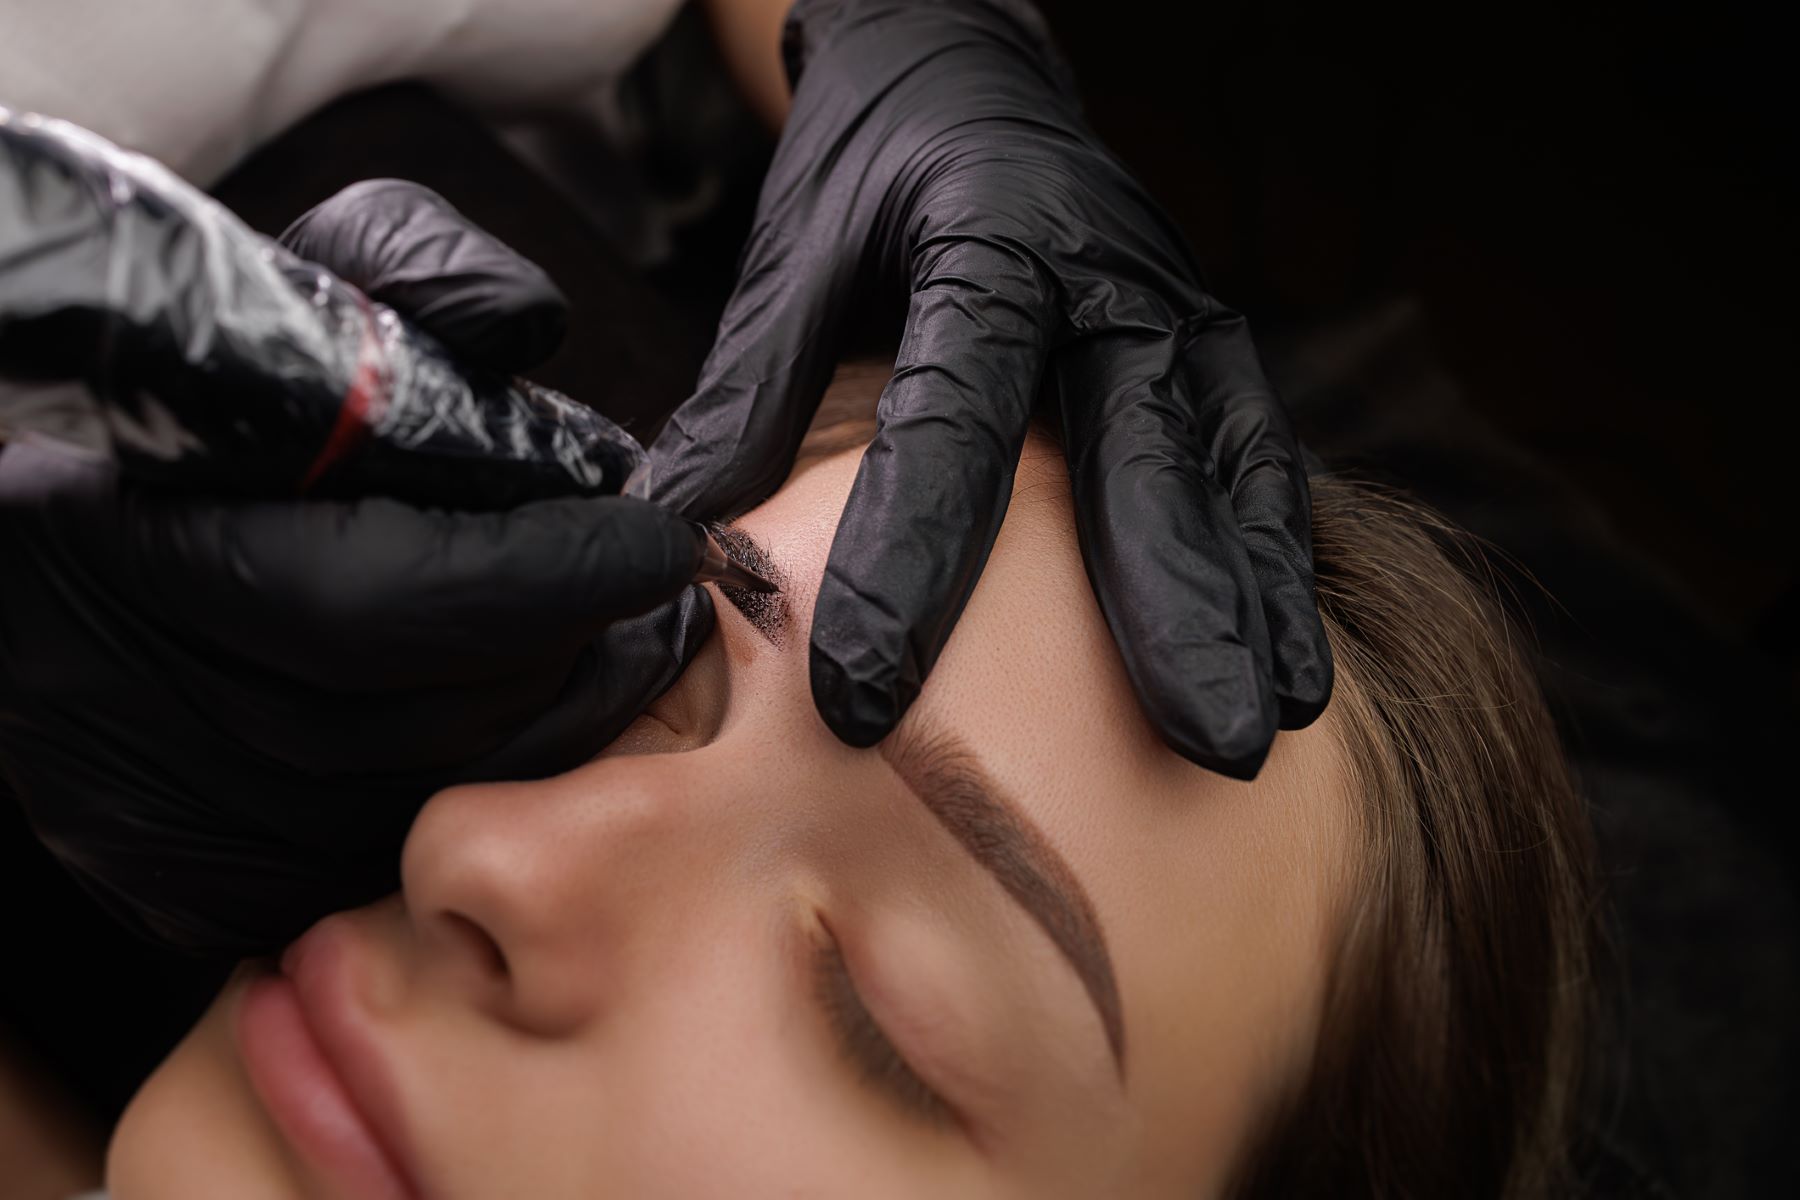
932 488
627 666
729 445
546 717
210 359
375 594
1261 467
1162 546
354 595
407 247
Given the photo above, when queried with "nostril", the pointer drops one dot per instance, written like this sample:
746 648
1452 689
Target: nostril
482 946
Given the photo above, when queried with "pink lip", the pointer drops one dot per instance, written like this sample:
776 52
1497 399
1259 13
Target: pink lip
314 1064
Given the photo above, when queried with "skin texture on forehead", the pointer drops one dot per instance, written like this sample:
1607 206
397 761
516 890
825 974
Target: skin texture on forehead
1217 901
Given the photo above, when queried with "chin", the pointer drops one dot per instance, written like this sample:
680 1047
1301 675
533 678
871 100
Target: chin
195 1131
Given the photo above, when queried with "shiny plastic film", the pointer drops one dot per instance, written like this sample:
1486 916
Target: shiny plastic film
140 318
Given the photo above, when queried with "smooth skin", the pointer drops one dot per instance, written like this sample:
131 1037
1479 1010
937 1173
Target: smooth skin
656 1029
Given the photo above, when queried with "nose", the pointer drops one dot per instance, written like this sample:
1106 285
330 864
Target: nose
536 900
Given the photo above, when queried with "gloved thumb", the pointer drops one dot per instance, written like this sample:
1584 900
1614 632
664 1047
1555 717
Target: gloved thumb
405 246
373 594
351 595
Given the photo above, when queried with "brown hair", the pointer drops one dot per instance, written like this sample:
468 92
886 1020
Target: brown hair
1449 1058
1457 1005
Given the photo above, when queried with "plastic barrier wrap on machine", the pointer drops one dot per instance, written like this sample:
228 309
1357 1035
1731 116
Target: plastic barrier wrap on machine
140 318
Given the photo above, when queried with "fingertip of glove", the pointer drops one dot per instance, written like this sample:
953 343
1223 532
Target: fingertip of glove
1218 711
1301 649
1304 700
693 621
1244 770
858 710
490 304
509 332
1238 756
314 233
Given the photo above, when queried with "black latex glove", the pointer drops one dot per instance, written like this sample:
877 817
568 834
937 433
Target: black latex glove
203 356
404 245
222 714
937 147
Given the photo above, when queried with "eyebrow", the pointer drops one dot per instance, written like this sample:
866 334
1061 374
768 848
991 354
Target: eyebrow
768 612
941 771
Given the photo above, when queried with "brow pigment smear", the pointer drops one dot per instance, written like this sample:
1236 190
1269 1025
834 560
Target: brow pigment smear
767 611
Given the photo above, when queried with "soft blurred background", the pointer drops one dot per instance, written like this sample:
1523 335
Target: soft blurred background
1538 265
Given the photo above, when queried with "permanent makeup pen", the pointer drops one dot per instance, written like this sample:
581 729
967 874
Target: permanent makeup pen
717 566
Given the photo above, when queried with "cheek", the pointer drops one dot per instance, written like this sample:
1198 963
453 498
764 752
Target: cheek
721 1087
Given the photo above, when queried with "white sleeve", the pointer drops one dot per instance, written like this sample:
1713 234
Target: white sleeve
198 84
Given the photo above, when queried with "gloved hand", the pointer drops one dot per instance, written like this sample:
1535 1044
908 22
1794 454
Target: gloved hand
208 357
222 713
937 147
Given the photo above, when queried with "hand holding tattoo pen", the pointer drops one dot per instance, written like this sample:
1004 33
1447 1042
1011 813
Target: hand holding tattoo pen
216 361
289 541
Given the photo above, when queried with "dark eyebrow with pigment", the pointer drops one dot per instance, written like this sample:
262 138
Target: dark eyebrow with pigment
942 772
767 612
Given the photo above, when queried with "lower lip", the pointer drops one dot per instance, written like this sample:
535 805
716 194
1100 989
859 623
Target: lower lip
306 1098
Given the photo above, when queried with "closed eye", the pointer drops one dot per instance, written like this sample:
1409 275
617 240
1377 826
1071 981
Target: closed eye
866 1047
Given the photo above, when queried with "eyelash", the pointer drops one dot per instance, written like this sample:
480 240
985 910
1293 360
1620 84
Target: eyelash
866 1046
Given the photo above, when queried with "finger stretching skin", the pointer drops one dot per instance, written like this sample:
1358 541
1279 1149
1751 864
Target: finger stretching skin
932 488
1169 567
1253 443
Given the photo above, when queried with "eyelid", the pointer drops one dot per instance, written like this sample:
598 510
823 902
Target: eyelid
865 1045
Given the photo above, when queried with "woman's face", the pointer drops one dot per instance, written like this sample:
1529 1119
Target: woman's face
1020 949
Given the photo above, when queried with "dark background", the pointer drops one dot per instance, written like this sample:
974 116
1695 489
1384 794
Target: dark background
1595 210
1587 225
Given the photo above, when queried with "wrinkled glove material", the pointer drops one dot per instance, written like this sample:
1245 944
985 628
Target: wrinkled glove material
206 356
222 703
935 153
